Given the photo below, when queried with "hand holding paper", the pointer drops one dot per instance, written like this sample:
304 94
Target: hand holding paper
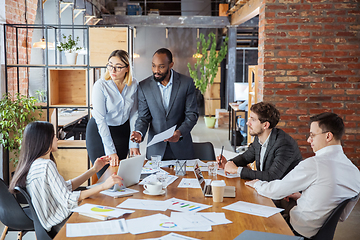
162 136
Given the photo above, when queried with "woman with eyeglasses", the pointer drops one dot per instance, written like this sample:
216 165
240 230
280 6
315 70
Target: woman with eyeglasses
114 100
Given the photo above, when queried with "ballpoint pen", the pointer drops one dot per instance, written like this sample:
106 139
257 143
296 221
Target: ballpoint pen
222 149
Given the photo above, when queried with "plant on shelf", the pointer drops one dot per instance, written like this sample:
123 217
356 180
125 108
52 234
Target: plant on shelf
206 66
15 113
70 47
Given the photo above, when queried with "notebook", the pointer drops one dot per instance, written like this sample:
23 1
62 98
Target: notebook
206 189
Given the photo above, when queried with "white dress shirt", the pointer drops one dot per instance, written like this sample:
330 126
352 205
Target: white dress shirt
325 180
112 108
51 196
166 91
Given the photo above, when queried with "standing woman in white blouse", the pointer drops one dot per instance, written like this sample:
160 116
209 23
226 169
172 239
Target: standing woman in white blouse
114 100
52 196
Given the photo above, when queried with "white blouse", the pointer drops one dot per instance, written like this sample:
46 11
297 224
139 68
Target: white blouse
112 108
51 196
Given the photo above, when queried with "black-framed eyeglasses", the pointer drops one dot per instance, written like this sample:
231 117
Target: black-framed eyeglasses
117 68
311 135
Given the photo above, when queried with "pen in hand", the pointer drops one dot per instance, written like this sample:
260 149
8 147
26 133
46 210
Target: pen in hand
222 149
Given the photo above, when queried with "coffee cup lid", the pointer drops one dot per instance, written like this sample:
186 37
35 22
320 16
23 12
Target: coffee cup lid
218 183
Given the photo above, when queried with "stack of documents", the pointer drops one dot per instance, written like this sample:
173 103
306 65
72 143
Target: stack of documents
100 212
119 193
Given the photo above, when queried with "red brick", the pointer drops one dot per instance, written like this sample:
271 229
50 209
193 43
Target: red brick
356 66
335 79
296 85
296 112
275 85
323 47
320 85
354 12
268 66
332 105
287 27
344 72
314 111
276 21
346 19
297 99
335 12
348 47
309 41
268 92
346 34
320 98
354 79
324 20
322 59
288 53
309 105
355 59
334 65
286 40
275 72
310 66
299 20
296 124
286 92
299 47
286 66
301 6
275 7
345 6
299 60
285 105
274 47
343 85
352 118
353 92
322 34
310 13
334 27
344 98
275 60
299 34
310 91
353 105
288 117
275 34
336 53
322 6
311 54
310 79
346 136
288 130
322 72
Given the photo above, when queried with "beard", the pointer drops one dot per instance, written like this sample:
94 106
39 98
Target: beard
255 133
162 76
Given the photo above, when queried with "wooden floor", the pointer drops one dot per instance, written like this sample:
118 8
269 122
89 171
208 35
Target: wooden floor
348 230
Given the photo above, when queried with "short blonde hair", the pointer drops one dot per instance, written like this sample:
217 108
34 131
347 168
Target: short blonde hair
124 57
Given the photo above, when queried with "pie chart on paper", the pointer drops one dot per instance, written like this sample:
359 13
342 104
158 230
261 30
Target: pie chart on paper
101 209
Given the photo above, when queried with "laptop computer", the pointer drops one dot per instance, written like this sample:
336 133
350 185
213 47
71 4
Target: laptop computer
206 189
130 171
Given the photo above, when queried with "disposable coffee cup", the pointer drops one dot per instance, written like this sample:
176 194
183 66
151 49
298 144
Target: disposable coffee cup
153 187
218 188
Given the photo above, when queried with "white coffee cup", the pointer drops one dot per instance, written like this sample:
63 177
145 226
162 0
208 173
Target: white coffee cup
153 187
218 188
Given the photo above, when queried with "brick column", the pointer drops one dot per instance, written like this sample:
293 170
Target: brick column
15 14
309 62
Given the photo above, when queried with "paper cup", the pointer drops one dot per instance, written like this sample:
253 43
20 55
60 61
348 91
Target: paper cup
218 188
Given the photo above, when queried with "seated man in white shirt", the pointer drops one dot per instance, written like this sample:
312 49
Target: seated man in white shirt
326 179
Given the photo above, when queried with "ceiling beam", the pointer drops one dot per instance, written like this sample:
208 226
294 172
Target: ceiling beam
246 12
167 21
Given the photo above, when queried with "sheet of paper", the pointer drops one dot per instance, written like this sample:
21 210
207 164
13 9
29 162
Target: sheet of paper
166 163
173 236
162 136
96 228
253 209
211 218
186 206
152 178
222 173
145 204
102 210
145 224
191 183
118 193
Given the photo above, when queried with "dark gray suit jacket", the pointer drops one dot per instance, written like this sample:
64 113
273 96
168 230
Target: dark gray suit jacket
281 156
182 111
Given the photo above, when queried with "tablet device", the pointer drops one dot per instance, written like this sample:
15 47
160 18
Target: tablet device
130 171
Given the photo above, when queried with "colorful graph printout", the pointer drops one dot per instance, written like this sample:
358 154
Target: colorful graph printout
186 206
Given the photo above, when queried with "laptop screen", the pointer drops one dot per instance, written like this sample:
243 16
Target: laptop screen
199 176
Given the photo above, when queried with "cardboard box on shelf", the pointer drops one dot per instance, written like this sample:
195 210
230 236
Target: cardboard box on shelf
222 118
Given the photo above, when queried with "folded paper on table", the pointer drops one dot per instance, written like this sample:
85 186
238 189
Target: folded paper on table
253 209
221 172
96 228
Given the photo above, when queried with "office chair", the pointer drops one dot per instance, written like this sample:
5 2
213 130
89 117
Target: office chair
204 151
327 230
40 232
12 215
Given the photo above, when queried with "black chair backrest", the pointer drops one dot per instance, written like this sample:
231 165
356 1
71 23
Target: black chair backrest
40 232
204 151
327 230
11 213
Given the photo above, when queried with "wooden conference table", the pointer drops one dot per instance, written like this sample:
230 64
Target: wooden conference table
240 221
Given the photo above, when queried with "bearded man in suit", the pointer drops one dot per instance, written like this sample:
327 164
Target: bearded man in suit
165 99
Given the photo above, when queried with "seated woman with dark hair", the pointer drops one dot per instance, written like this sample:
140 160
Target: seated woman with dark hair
52 196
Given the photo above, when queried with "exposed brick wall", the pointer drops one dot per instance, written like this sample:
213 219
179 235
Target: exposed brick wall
15 14
309 62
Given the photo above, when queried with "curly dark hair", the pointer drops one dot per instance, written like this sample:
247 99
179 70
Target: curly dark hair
266 113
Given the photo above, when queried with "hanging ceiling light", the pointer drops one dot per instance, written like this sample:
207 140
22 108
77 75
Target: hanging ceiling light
42 44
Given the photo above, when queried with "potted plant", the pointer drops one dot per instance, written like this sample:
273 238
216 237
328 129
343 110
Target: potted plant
70 47
15 114
206 67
